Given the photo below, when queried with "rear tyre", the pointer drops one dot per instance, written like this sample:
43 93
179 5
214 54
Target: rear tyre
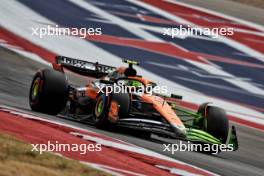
48 92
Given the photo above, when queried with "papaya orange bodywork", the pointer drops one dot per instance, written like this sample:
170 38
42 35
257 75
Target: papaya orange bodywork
113 111
163 108
91 92
157 102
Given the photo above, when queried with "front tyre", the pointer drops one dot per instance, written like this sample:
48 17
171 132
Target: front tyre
217 123
103 105
214 121
48 92
101 110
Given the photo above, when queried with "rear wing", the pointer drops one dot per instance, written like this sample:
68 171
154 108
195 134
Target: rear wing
86 68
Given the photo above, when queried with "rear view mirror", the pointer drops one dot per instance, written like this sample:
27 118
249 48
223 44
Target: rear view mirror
176 96
106 81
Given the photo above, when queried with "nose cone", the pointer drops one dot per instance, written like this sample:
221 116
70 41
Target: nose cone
179 130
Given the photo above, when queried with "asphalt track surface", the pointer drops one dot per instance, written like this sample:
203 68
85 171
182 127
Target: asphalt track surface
16 73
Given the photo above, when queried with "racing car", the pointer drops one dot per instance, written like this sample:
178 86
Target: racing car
145 113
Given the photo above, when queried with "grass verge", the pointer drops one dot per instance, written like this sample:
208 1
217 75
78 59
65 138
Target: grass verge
16 158
256 3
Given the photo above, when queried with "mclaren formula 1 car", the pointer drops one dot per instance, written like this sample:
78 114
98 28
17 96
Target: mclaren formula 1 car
145 113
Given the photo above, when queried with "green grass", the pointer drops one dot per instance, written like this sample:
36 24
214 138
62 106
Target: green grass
16 158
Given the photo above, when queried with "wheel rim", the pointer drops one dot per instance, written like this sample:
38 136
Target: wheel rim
99 107
35 89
